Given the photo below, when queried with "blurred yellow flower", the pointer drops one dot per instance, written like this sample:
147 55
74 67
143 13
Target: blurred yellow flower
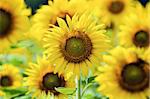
10 77
112 12
125 75
136 29
13 21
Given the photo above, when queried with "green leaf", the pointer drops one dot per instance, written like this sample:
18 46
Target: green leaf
23 97
13 46
86 87
90 79
67 91
1 63
14 91
88 96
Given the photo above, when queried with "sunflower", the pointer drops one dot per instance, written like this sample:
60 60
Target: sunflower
13 21
137 33
127 75
112 10
42 80
9 77
48 14
75 45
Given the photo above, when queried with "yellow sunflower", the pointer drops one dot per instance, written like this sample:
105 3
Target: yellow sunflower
125 75
136 29
48 14
13 21
113 12
42 80
9 77
75 45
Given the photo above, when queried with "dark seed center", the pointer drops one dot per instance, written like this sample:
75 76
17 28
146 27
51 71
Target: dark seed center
75 47
116 7
5 23
52 81
142 39
5 81
134 76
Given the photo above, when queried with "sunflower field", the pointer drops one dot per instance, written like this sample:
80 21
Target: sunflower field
74 49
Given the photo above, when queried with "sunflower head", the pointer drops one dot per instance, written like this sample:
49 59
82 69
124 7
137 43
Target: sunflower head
6 81
75 43
116 7
43 79
76 48
6 21
112 10
141 39
129 74
135 76
138 32
10 77
51 81
13 14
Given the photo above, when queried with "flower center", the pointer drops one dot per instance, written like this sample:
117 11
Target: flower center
141 39
77 48
116 7
50 81
5 81
135 76
5 23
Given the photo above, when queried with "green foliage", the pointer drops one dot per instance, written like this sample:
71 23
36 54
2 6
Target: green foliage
66 91
14 93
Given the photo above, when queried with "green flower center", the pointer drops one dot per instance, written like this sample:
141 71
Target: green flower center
52 81
134 76
77 48
5 81
141 39
116 7
5 23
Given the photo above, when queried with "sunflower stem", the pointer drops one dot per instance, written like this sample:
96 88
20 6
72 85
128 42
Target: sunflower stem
78 84
79 89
